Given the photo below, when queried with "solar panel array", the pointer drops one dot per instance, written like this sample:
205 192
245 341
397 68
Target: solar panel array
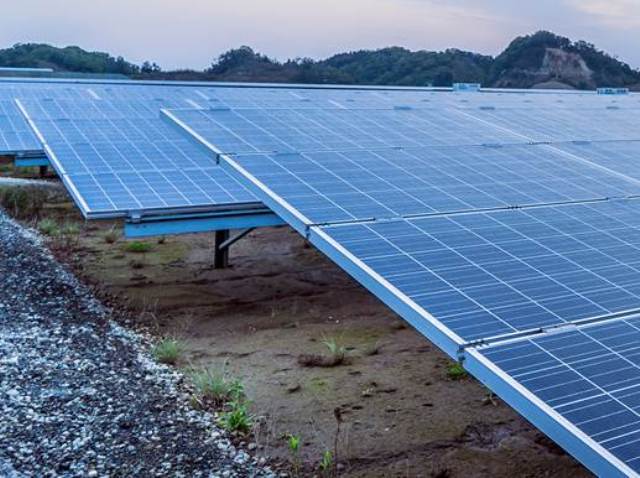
503 226
496 227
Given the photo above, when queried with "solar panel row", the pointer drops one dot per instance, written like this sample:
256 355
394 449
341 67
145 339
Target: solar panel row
118 157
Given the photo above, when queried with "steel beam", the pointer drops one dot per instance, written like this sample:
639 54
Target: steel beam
197 223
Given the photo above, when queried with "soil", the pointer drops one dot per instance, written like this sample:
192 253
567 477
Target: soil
403 414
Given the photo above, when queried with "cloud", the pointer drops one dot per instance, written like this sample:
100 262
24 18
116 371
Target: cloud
614 13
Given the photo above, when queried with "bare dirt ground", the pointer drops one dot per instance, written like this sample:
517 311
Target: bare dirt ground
403 413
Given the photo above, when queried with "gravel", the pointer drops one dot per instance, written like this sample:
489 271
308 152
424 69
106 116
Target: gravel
80 395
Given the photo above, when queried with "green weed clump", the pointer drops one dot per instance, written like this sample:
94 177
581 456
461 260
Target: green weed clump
236 418
49 227
168 351
337 355
456 371
216 387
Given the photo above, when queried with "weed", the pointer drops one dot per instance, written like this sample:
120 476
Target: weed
138 247
70 229
48 227
337 355
326 464
216 387
294 444
456 371
237 418
168 351
111 236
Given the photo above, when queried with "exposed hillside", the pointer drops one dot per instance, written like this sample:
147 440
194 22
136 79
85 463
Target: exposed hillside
547 58
539 60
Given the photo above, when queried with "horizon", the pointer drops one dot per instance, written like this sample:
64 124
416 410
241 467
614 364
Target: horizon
204 29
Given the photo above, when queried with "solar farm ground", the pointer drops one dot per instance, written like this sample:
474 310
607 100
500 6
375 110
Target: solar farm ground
404 411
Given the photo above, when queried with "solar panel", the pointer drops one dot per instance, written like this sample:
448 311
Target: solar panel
619 157
587 380
118 158
289 130
489 274
364 184
563 125
15 134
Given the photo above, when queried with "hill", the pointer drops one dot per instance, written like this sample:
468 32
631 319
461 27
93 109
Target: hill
542 59
68 59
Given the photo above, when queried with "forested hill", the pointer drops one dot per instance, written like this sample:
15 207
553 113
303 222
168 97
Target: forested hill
539 60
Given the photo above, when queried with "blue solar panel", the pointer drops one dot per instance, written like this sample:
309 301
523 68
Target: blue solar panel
488 274
619 157
119 157
590 377
315 129
353 185
15 134
562 125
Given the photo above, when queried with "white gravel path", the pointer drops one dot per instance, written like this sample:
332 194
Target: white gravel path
79 395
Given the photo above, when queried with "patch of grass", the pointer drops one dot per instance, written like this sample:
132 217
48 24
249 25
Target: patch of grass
111 236
168 351
216 387
237 418
48 227
456 371
138 247
337 355
70 229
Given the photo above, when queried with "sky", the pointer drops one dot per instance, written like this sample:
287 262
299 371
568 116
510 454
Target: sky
191 33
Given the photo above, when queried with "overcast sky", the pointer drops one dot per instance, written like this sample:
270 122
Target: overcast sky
190 33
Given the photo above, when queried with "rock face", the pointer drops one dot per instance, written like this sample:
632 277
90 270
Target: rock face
559 69
561 65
